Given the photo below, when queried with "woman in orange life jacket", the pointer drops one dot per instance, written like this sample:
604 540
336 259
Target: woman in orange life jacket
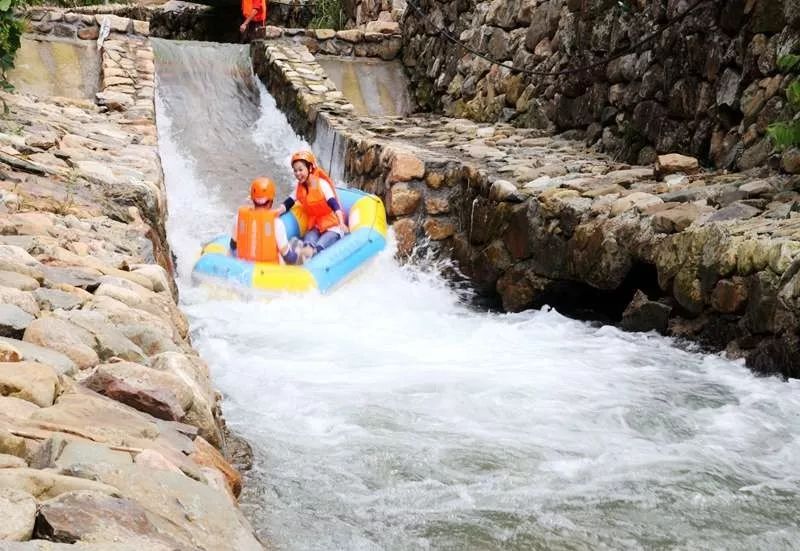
317 195
259 235
253 11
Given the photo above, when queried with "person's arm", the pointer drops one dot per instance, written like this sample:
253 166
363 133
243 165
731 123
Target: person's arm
288 203
243 26
333 203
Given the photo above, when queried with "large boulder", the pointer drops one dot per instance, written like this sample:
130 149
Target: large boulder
13 321
31 381
18 511
22 350
80 411
193 373
67 338
192 504
643 314
16 408
25 300
101 518
159 393
110 342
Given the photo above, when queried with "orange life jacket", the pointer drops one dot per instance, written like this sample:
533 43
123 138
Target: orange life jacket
312 199
259 5
255 235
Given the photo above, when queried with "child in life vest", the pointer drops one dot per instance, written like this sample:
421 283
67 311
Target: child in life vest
317 196
259 235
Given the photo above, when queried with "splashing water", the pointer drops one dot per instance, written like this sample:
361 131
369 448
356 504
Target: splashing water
389 415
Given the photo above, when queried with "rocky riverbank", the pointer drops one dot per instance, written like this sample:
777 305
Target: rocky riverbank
535 219
111 435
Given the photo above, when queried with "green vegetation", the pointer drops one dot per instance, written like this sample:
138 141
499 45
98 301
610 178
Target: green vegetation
328 14
11 28
787 134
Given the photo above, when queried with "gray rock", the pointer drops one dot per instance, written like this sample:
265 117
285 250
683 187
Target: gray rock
728 88
643 314
83 278
757 188
13 321
734 211
54 299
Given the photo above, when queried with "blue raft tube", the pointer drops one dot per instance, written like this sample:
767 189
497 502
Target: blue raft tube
366 219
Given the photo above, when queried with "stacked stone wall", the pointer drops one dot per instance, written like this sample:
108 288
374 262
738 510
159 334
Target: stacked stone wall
707 85
111 434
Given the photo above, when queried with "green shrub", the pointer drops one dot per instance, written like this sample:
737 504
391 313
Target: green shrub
11 28
787 133
328 14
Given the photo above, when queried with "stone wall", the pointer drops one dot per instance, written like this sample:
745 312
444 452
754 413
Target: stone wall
707 86
534 219
360 13
353 42
110 429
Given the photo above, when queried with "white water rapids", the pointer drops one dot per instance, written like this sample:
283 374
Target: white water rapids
389 415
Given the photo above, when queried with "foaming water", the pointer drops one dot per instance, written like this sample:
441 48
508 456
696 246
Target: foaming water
389 415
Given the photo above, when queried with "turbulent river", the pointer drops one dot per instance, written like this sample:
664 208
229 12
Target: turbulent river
390 415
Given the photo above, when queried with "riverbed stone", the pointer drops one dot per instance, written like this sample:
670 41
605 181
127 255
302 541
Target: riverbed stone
194 504
67 338
13 321
99 418
18 281
11 462
159 393
56 299
100 518
109 342
19 349
16 408
18 511
35 382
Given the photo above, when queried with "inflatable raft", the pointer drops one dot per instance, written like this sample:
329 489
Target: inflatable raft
366 219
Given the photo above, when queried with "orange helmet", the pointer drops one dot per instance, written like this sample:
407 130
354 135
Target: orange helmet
262 190
306 156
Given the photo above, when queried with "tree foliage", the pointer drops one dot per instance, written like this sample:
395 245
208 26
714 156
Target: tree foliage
11 28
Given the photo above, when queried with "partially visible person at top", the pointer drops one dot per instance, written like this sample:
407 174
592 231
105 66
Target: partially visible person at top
255 14
317 196
259 235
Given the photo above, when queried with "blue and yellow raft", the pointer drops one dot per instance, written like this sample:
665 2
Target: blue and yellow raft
366 219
